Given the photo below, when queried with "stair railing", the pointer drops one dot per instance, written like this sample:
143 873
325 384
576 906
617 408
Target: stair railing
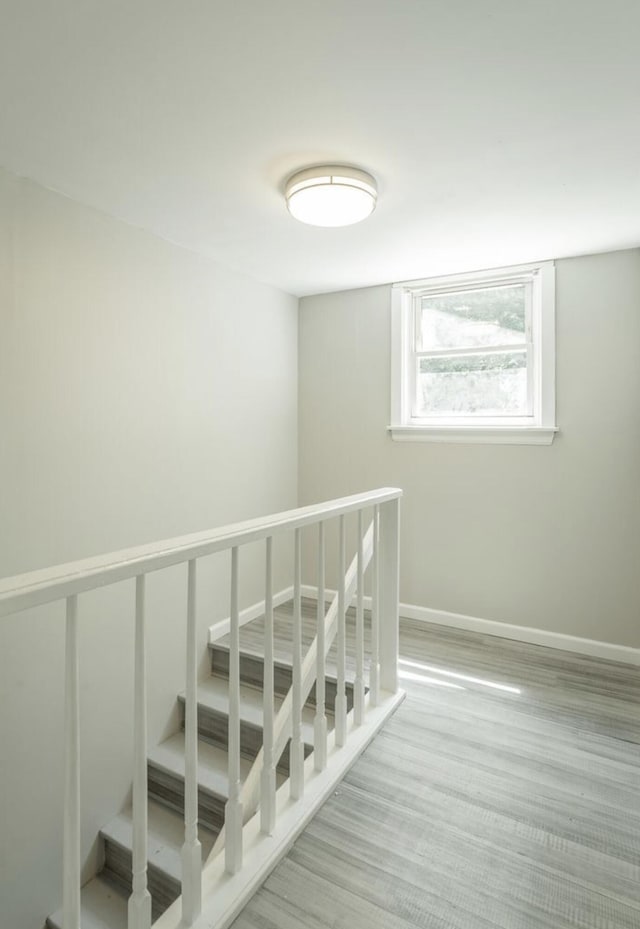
379 545
258 789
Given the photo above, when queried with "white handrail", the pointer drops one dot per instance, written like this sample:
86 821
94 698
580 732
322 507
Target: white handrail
37 587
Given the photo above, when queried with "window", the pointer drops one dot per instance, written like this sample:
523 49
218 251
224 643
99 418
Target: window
473 357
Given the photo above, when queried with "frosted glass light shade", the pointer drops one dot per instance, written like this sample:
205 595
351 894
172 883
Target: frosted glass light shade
331 195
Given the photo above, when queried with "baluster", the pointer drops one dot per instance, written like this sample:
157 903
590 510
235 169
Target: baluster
233 808
374 667
320 722
296 750
191 850
71 846
139 909
268 777
358 691
341 696
389 595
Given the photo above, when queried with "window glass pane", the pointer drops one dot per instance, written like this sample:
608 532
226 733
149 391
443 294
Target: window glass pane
473 318
482 385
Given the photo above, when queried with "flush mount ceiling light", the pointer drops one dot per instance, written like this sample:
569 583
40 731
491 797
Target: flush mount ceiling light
331 195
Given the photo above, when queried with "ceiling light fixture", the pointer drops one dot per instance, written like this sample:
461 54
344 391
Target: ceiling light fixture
331 195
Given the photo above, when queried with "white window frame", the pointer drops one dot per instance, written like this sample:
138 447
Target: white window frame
536 428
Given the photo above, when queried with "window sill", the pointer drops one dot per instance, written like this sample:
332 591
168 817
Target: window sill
475 435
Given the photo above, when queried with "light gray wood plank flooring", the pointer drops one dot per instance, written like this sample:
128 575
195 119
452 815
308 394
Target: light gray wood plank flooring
476 807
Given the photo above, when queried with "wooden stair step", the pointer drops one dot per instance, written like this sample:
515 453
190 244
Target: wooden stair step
251 673
252 636
102 906
212 763
164 841
213 716
166 767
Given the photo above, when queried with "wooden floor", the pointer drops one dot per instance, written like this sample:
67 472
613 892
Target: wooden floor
479 807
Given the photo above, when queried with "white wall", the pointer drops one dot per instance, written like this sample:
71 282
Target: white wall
144 393
537 536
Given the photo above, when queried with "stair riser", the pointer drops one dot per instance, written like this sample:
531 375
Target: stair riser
168 789
252 672
213 727
118 868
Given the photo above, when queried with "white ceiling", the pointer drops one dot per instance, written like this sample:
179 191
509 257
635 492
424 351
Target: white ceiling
499 131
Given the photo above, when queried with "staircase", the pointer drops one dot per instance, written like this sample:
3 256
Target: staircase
216 805
104 898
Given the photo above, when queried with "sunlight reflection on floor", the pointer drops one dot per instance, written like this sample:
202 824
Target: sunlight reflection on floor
413 676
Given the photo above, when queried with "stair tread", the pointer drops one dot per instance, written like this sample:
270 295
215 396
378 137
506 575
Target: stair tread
252 638
165 837
283 660
212 763
213 694
101 907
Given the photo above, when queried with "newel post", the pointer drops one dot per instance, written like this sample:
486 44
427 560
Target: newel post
389 593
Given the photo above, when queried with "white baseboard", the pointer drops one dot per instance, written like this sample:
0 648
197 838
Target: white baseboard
529 634
250 613
532 636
